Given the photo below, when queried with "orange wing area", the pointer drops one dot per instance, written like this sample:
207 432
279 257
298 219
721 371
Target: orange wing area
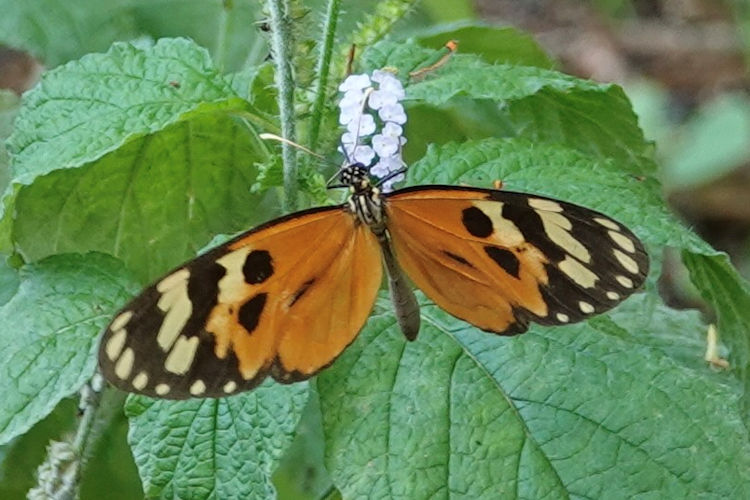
283 299
499 259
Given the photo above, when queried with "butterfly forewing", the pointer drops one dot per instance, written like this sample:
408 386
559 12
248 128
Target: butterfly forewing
282 299
500 259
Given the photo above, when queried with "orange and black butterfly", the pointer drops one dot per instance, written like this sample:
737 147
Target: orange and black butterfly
286 298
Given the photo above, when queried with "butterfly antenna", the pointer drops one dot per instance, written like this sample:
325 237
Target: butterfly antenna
359 121
343 150
275 137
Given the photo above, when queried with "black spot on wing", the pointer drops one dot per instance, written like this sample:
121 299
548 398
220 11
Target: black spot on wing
258 267
302 290
476 222
530 224
203 292
505 259
458 258
250 311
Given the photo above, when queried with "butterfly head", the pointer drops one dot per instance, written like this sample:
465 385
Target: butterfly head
356 177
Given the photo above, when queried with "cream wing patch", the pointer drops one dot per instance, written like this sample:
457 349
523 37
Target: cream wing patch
591 262
174 301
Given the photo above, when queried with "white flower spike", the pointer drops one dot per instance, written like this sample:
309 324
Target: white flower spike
372 105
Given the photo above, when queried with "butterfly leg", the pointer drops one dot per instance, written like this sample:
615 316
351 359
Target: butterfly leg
402 295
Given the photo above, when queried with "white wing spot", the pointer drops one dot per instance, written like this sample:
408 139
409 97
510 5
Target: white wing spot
230 387
624 281
578 272
115 343
182 355
140 381
121 320
609 224
175 302
548 205
558 227
613 295
629 264
162 389
585 307
124 365
562 318
623 241
198 388
172 280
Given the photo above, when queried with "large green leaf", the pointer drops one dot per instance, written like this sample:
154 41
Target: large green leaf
214 448
136 153
535 103
555 413
87 108
49 332
153 203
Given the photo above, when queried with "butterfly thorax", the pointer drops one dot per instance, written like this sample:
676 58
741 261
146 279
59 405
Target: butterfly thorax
365 200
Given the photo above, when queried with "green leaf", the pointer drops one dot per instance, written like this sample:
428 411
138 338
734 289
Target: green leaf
154 202
681 337
555 413
9 104
535 103
92 106
225 28
140 144
9 281
729 295
567 174
494 44
49 333
214 448
301 473
57 31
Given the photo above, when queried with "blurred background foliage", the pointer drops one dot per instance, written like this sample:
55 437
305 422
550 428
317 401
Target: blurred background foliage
683 63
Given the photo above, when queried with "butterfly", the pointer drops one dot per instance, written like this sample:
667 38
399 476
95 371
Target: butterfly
286 298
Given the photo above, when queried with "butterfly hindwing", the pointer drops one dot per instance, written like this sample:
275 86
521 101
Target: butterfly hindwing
499 259
282 299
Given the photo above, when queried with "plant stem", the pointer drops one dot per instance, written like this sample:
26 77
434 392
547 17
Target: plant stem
281 42
323 68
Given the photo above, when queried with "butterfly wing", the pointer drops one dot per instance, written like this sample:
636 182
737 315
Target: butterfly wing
282 299
499 259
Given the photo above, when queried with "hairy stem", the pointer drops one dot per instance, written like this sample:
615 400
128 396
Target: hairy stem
323 69
281 43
